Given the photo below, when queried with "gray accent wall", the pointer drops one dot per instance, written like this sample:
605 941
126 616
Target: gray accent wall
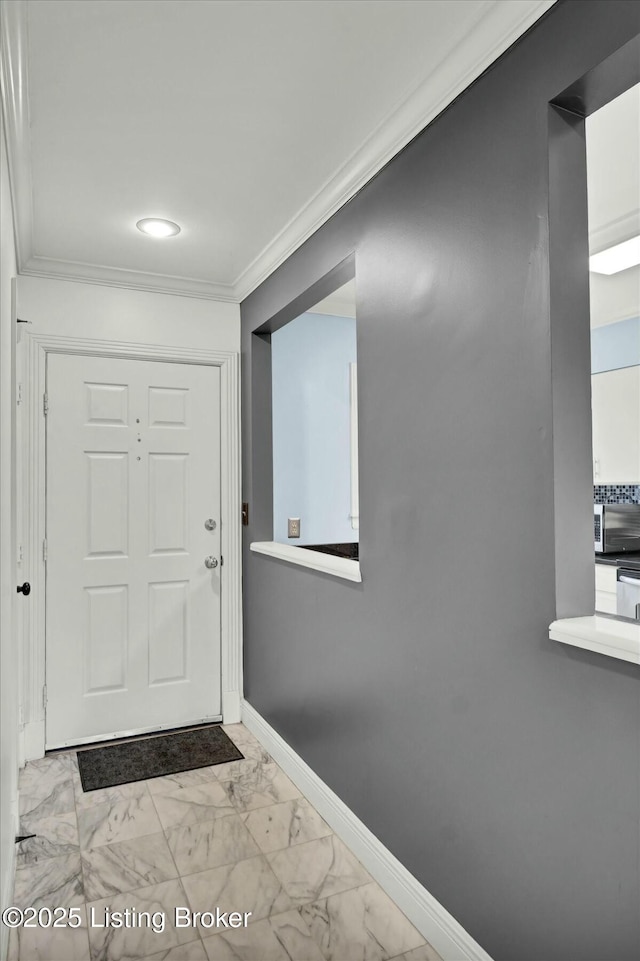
503 769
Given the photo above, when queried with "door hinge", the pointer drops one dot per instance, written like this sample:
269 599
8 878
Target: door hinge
20 555
44 695
221 560
245 513
19 395
45 404
45 552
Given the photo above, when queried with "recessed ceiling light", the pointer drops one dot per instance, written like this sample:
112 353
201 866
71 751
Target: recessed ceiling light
158 228
617 258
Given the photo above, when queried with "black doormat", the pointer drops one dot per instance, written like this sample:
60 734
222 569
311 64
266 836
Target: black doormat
155 757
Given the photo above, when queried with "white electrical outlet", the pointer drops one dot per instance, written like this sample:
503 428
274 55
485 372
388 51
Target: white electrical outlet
293 527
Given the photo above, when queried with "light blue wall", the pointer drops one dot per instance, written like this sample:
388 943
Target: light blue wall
615 345
310 360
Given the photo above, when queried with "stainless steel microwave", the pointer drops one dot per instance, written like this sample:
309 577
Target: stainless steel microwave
616 528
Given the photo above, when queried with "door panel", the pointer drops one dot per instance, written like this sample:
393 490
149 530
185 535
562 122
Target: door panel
168 632
106 639
107 404
167 407
107 496
133 615
168 503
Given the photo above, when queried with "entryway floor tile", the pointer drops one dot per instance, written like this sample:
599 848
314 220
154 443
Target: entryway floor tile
110 943
201 802
209 844
424 953
54 883
362 924
238 837
265 784
55 837
193 951
127 865
50 944
283 825
317 869
106 823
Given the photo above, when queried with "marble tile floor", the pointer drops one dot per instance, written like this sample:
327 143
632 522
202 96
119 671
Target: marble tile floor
236 837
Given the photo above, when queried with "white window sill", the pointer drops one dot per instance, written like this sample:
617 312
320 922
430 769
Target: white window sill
605 635
327 563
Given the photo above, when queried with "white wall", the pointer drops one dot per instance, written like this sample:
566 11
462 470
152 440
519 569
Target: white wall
615 381
614 297
613 169
616 345
615 408
102 313
134 316
8 650
310 360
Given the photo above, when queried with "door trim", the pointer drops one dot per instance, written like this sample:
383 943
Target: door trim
34 501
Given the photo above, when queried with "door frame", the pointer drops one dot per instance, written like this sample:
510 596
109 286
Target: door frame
38 346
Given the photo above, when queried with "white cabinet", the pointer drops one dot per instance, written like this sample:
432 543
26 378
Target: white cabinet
615 405
606 588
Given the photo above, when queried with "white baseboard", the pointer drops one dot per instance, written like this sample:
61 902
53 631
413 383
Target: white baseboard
433 921
231 707
8 882
33 744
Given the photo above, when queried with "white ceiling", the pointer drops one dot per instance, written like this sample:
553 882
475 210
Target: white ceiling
248 123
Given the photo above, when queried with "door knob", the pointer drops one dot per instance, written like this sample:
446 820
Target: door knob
210 562
24 589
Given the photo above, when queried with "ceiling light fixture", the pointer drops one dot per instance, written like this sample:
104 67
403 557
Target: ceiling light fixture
617 258
158 228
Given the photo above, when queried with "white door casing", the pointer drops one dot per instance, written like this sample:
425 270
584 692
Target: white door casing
42 346
132 613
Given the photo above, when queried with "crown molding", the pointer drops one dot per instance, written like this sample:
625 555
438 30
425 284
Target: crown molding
497 25
614 231
14 84
134 279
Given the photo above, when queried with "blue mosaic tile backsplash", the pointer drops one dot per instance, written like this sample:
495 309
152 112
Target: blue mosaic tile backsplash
616 493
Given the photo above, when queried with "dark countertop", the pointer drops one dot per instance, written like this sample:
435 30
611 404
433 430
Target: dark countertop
350 551
630 560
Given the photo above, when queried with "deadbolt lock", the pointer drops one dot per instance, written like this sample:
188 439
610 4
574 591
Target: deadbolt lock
210 524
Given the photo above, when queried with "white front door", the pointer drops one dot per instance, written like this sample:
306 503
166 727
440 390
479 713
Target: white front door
132 612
